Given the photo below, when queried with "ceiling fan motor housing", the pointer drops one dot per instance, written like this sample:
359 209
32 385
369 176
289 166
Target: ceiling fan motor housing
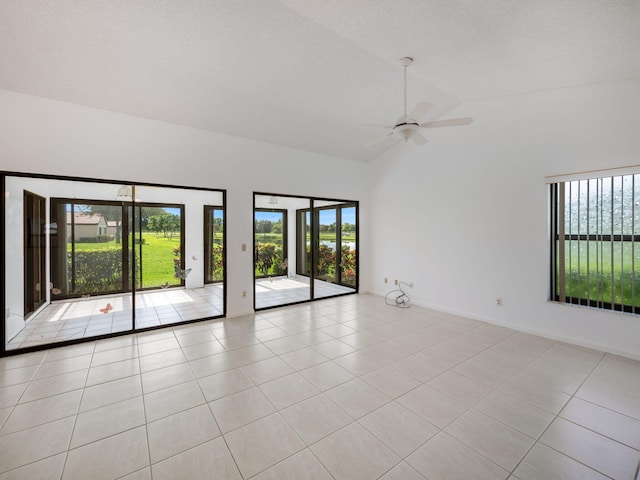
405 130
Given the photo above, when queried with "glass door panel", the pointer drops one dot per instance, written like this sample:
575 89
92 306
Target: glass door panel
159 246
214 244
348 235
85 258
175 254
327 251
69 282
336 253
277 261
270 243
303 239
214 258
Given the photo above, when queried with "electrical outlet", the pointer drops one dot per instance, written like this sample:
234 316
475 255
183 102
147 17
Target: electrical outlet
395 282
244 294
385 280
499 302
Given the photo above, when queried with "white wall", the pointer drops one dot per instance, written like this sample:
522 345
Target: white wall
465 216
46 136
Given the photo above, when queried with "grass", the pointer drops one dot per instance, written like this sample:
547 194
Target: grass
596 272
157 258
328 236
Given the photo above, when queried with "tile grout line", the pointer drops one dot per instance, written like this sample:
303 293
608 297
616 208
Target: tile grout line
212 415
557 415
75 422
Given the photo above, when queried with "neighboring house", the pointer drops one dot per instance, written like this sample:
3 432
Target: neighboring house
86 226
112 227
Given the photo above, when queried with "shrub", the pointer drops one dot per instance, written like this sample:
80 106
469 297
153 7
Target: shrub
96 239
97 271
348 266
268 257
217 263
326 263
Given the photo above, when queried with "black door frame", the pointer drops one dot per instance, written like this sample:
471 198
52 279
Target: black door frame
312 208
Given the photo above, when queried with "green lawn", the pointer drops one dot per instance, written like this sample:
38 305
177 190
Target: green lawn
157 258
328 236
596 272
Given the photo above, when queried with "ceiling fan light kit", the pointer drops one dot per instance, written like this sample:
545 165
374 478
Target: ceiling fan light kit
407 127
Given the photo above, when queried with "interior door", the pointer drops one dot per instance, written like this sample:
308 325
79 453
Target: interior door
34 252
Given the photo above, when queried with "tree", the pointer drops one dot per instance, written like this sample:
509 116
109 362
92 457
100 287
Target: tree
145 213
264 226
170 223
154 224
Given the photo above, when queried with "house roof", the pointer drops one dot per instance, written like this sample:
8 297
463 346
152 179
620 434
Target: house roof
84 219
305 73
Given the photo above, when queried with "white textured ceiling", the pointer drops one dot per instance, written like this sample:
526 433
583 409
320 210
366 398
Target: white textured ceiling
302 73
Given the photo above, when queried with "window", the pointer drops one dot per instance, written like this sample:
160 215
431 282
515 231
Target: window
91 249
270 226
595 226
214 244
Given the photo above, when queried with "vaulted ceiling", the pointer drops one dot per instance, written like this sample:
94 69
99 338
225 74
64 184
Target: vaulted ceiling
305 73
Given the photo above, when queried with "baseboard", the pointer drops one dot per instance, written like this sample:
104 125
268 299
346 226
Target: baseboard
533 331
239 314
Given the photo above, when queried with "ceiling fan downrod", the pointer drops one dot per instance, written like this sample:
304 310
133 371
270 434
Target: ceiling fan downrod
405 62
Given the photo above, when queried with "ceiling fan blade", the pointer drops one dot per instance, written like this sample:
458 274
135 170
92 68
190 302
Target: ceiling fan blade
419 110
378 140
418 138
452 122
370 125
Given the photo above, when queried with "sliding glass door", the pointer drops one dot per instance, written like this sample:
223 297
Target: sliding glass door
275 257
335 240
322 260
90 252
87 259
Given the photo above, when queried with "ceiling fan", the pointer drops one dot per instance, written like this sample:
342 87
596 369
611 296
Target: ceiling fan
408 126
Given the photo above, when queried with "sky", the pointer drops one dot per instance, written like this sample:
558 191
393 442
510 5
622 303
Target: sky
327 217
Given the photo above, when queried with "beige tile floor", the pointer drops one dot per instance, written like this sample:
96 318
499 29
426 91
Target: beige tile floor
83 318
275 291
345 388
